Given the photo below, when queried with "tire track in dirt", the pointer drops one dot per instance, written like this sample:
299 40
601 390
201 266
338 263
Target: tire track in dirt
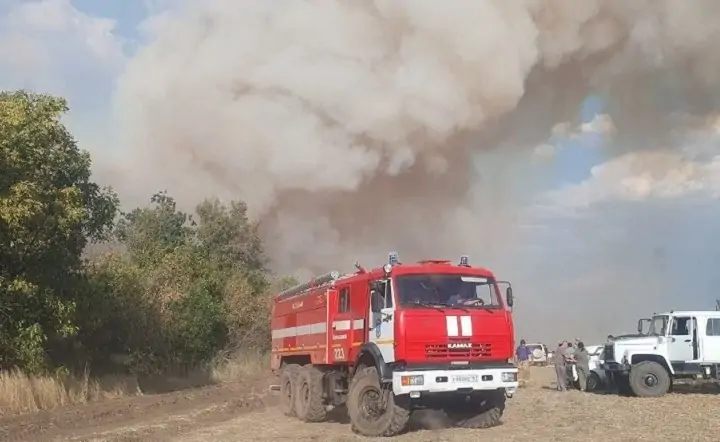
537 413
140 418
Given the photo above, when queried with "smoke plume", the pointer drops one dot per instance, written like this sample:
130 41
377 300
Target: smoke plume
356 128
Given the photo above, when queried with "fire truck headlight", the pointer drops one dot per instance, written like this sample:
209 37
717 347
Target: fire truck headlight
509 376
407 381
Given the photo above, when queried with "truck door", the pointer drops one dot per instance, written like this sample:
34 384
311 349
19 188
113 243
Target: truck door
339 325
682 343
381 329
711 341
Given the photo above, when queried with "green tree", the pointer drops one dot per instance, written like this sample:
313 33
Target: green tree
49 210
228 237
202 284
150 233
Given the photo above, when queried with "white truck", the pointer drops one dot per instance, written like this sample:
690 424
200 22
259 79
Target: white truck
674 345
538 354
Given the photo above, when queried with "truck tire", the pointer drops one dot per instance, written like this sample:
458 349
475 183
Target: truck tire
309 400
367 414
481 412
288 379
649 379
593 382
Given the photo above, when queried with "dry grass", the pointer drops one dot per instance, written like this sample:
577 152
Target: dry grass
524 378
23 393
240 366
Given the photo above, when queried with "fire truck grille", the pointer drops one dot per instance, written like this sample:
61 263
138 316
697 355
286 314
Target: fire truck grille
445 351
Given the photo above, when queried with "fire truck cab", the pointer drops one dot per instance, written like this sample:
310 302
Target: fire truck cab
394 339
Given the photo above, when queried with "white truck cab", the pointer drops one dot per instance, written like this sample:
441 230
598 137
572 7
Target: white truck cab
674 345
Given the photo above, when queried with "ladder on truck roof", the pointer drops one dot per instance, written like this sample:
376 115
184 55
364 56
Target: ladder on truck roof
304 287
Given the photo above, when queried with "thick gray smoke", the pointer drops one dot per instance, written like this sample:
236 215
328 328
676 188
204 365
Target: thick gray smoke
353 128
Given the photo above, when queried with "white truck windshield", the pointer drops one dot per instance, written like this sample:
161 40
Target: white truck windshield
658 325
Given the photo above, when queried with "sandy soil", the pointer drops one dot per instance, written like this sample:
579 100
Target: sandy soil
247 412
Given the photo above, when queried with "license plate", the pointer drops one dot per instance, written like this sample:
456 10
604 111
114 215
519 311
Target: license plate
465 379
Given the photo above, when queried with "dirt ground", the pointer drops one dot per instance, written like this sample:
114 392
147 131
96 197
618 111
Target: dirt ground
247 412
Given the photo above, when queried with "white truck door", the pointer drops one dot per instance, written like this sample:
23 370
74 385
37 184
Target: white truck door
680 345
381 329
711 341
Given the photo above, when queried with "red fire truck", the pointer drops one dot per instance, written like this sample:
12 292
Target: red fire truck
394 339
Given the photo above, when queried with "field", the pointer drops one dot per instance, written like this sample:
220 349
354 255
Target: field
245 411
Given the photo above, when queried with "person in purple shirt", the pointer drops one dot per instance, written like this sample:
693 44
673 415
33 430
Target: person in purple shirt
523 354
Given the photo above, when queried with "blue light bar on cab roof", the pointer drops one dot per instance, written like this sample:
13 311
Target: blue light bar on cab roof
392 258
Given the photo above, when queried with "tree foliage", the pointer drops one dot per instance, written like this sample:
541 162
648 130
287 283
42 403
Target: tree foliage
185 285
49 210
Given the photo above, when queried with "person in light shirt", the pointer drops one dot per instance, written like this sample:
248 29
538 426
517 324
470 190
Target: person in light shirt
560 365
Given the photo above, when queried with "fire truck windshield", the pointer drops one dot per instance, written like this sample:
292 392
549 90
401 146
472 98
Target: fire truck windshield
440 290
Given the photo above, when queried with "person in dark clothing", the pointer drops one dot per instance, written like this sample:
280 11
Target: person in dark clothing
522 356
560 367
522 353
582 364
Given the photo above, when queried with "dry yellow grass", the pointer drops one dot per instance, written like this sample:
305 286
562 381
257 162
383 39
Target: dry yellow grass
240 366
23 393
524 378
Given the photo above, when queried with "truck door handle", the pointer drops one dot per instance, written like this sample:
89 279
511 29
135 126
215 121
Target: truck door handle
687 340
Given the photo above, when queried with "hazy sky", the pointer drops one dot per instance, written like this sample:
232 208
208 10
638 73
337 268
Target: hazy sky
595 231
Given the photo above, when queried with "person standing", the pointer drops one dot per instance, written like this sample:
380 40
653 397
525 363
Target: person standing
560 367
522 356
582 364
522 353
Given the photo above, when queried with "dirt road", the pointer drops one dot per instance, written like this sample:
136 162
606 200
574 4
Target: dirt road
238 412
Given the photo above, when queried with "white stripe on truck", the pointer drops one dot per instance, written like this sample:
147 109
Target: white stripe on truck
317 328
466 325
464 329
452 325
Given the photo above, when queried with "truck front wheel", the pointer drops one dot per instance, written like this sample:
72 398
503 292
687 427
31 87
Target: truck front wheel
481 411
593 382
649 379
372 409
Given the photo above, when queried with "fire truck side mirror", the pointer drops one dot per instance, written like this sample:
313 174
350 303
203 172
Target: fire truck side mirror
509 297
376 301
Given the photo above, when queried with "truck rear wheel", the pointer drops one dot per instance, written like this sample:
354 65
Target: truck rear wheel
482 411
649 379
372 409
288 378
309 401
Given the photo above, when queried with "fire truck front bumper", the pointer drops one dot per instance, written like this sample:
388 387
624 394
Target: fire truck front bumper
422 383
